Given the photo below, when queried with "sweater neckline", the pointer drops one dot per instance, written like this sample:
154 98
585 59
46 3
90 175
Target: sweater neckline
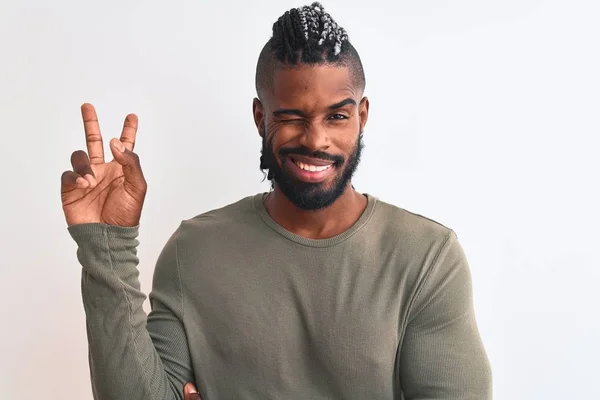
332 241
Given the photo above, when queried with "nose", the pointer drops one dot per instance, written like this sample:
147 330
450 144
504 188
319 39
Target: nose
315 137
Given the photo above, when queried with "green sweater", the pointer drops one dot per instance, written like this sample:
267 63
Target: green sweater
248 310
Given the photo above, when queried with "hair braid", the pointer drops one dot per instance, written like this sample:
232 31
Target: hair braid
308 34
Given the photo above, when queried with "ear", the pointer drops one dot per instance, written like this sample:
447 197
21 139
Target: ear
259 115
363 113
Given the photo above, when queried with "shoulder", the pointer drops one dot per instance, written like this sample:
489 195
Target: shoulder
423 250
220 223
409 229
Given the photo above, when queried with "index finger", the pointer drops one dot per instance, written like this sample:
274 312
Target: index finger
93 137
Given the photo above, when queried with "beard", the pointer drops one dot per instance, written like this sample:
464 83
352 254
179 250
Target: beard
308 195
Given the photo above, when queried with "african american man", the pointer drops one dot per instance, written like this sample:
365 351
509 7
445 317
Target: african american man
312 290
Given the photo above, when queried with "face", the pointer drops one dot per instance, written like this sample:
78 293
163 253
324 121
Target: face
311 124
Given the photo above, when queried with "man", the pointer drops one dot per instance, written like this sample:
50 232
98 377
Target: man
310 291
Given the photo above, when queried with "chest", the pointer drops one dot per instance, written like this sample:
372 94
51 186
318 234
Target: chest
289 319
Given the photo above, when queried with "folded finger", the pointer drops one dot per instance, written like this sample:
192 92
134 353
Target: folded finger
71 180
81 163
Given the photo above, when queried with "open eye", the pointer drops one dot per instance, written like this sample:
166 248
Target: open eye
337 117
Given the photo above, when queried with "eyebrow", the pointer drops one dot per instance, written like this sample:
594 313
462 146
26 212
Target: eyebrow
288 111
300 113
343 103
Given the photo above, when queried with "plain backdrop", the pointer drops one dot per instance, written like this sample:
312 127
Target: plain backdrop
484 116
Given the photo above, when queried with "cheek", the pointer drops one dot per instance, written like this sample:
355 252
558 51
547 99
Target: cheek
347 139
282 134
274 140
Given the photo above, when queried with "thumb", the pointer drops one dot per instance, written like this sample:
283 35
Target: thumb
130 163
190 392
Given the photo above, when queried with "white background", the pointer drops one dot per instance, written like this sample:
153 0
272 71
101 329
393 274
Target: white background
484 116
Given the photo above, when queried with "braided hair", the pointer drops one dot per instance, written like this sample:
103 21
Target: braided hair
307 35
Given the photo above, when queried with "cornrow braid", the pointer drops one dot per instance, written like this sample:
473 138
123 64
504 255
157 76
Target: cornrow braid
309 32
308 35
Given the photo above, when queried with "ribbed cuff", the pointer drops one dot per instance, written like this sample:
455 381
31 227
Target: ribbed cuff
99 230
103 248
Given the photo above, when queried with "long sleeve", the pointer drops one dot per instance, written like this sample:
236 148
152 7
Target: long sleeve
442 356
131 355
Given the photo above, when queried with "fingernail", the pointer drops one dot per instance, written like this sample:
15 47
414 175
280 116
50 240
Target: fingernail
82 181
190 388
90 178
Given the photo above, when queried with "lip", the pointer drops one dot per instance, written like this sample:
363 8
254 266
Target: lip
309 176
311 161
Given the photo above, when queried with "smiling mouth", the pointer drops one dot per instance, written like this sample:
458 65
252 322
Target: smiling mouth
311 167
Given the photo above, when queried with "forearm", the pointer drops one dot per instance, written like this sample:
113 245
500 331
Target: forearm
124 362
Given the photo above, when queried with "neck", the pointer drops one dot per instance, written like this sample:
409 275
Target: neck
319 224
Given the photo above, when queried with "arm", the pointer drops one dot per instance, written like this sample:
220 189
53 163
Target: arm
131 356
442 355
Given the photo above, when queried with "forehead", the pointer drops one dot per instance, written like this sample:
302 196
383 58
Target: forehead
312 84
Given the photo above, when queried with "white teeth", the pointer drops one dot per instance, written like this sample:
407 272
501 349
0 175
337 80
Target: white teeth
312 168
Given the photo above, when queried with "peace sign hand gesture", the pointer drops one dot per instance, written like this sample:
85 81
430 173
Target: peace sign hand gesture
107 192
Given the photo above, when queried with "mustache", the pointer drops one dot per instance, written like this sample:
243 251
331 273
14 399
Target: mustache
303 151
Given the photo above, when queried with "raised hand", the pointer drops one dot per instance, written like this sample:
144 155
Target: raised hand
108 192
190 392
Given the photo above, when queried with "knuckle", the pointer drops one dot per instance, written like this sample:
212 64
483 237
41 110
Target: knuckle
68 177
135 158
94 137
78 156
77 153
